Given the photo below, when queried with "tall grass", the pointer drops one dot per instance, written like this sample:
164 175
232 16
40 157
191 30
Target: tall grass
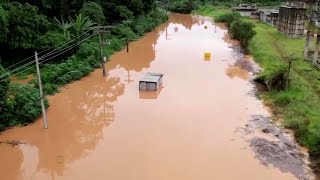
213 11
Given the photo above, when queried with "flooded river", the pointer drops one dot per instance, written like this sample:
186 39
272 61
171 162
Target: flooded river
202 125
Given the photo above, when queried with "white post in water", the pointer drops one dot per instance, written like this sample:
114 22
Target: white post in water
45 124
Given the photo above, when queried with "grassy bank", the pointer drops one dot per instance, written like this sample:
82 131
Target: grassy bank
299 106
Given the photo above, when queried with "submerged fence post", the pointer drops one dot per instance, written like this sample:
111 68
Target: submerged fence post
127 43
101 54
306 47
316 50
288 76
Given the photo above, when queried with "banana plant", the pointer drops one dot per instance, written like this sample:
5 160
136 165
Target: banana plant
80 25
64 26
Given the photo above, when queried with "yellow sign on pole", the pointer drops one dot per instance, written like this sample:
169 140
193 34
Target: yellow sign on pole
207 56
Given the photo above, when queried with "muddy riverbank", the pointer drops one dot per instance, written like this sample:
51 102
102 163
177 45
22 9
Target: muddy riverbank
206 123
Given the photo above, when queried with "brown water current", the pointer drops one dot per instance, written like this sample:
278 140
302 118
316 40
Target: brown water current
206 122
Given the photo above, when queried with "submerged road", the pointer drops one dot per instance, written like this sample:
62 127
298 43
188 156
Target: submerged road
200 126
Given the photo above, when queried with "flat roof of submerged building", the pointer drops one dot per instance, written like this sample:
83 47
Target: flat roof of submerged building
151 77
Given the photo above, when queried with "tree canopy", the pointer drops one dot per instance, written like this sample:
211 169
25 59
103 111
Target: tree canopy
93 11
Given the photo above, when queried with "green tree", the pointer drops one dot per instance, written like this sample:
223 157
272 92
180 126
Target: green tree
49 40
228 18
93 11
64 26
4 25
4 82
4 86
243 31
124 13
136 6
26 105
148 5
25 24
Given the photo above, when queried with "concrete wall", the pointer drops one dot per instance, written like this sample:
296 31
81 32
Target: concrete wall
245 13
269 17
291 21
263 16
274 18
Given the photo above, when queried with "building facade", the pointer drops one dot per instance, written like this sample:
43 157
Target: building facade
291 21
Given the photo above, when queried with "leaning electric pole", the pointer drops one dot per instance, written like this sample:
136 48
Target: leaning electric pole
45 123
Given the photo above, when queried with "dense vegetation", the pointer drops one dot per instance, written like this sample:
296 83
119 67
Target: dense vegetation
238 28
63 32
298 106
186 6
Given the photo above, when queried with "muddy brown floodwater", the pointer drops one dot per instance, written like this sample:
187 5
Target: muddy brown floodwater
206 123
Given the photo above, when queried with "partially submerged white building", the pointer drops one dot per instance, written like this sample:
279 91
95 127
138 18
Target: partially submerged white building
151 82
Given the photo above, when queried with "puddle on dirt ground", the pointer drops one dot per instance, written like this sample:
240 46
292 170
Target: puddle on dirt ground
198 127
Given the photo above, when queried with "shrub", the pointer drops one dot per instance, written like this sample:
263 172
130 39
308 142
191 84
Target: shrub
183 6
89 48
228 18
71 69
243 31
50 88
27 103
49 40
124 13
125 32
4 82
116 44
23 105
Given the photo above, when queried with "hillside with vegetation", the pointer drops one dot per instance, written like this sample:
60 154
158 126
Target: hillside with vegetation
65 33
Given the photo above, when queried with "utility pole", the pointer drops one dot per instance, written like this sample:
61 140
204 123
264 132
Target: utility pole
167 8
101 30
101 53
45 123
288 78
289 69
127 43
127 38
129 80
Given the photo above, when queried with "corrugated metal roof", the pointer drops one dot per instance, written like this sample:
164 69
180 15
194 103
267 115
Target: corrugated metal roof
152 77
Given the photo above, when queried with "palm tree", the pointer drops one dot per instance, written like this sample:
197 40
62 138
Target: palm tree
64 26
81 25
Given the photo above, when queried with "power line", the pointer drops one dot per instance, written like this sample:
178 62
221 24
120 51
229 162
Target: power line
52 52
60 46
16 74
74 39
19 68
60 52
67 49
18 63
